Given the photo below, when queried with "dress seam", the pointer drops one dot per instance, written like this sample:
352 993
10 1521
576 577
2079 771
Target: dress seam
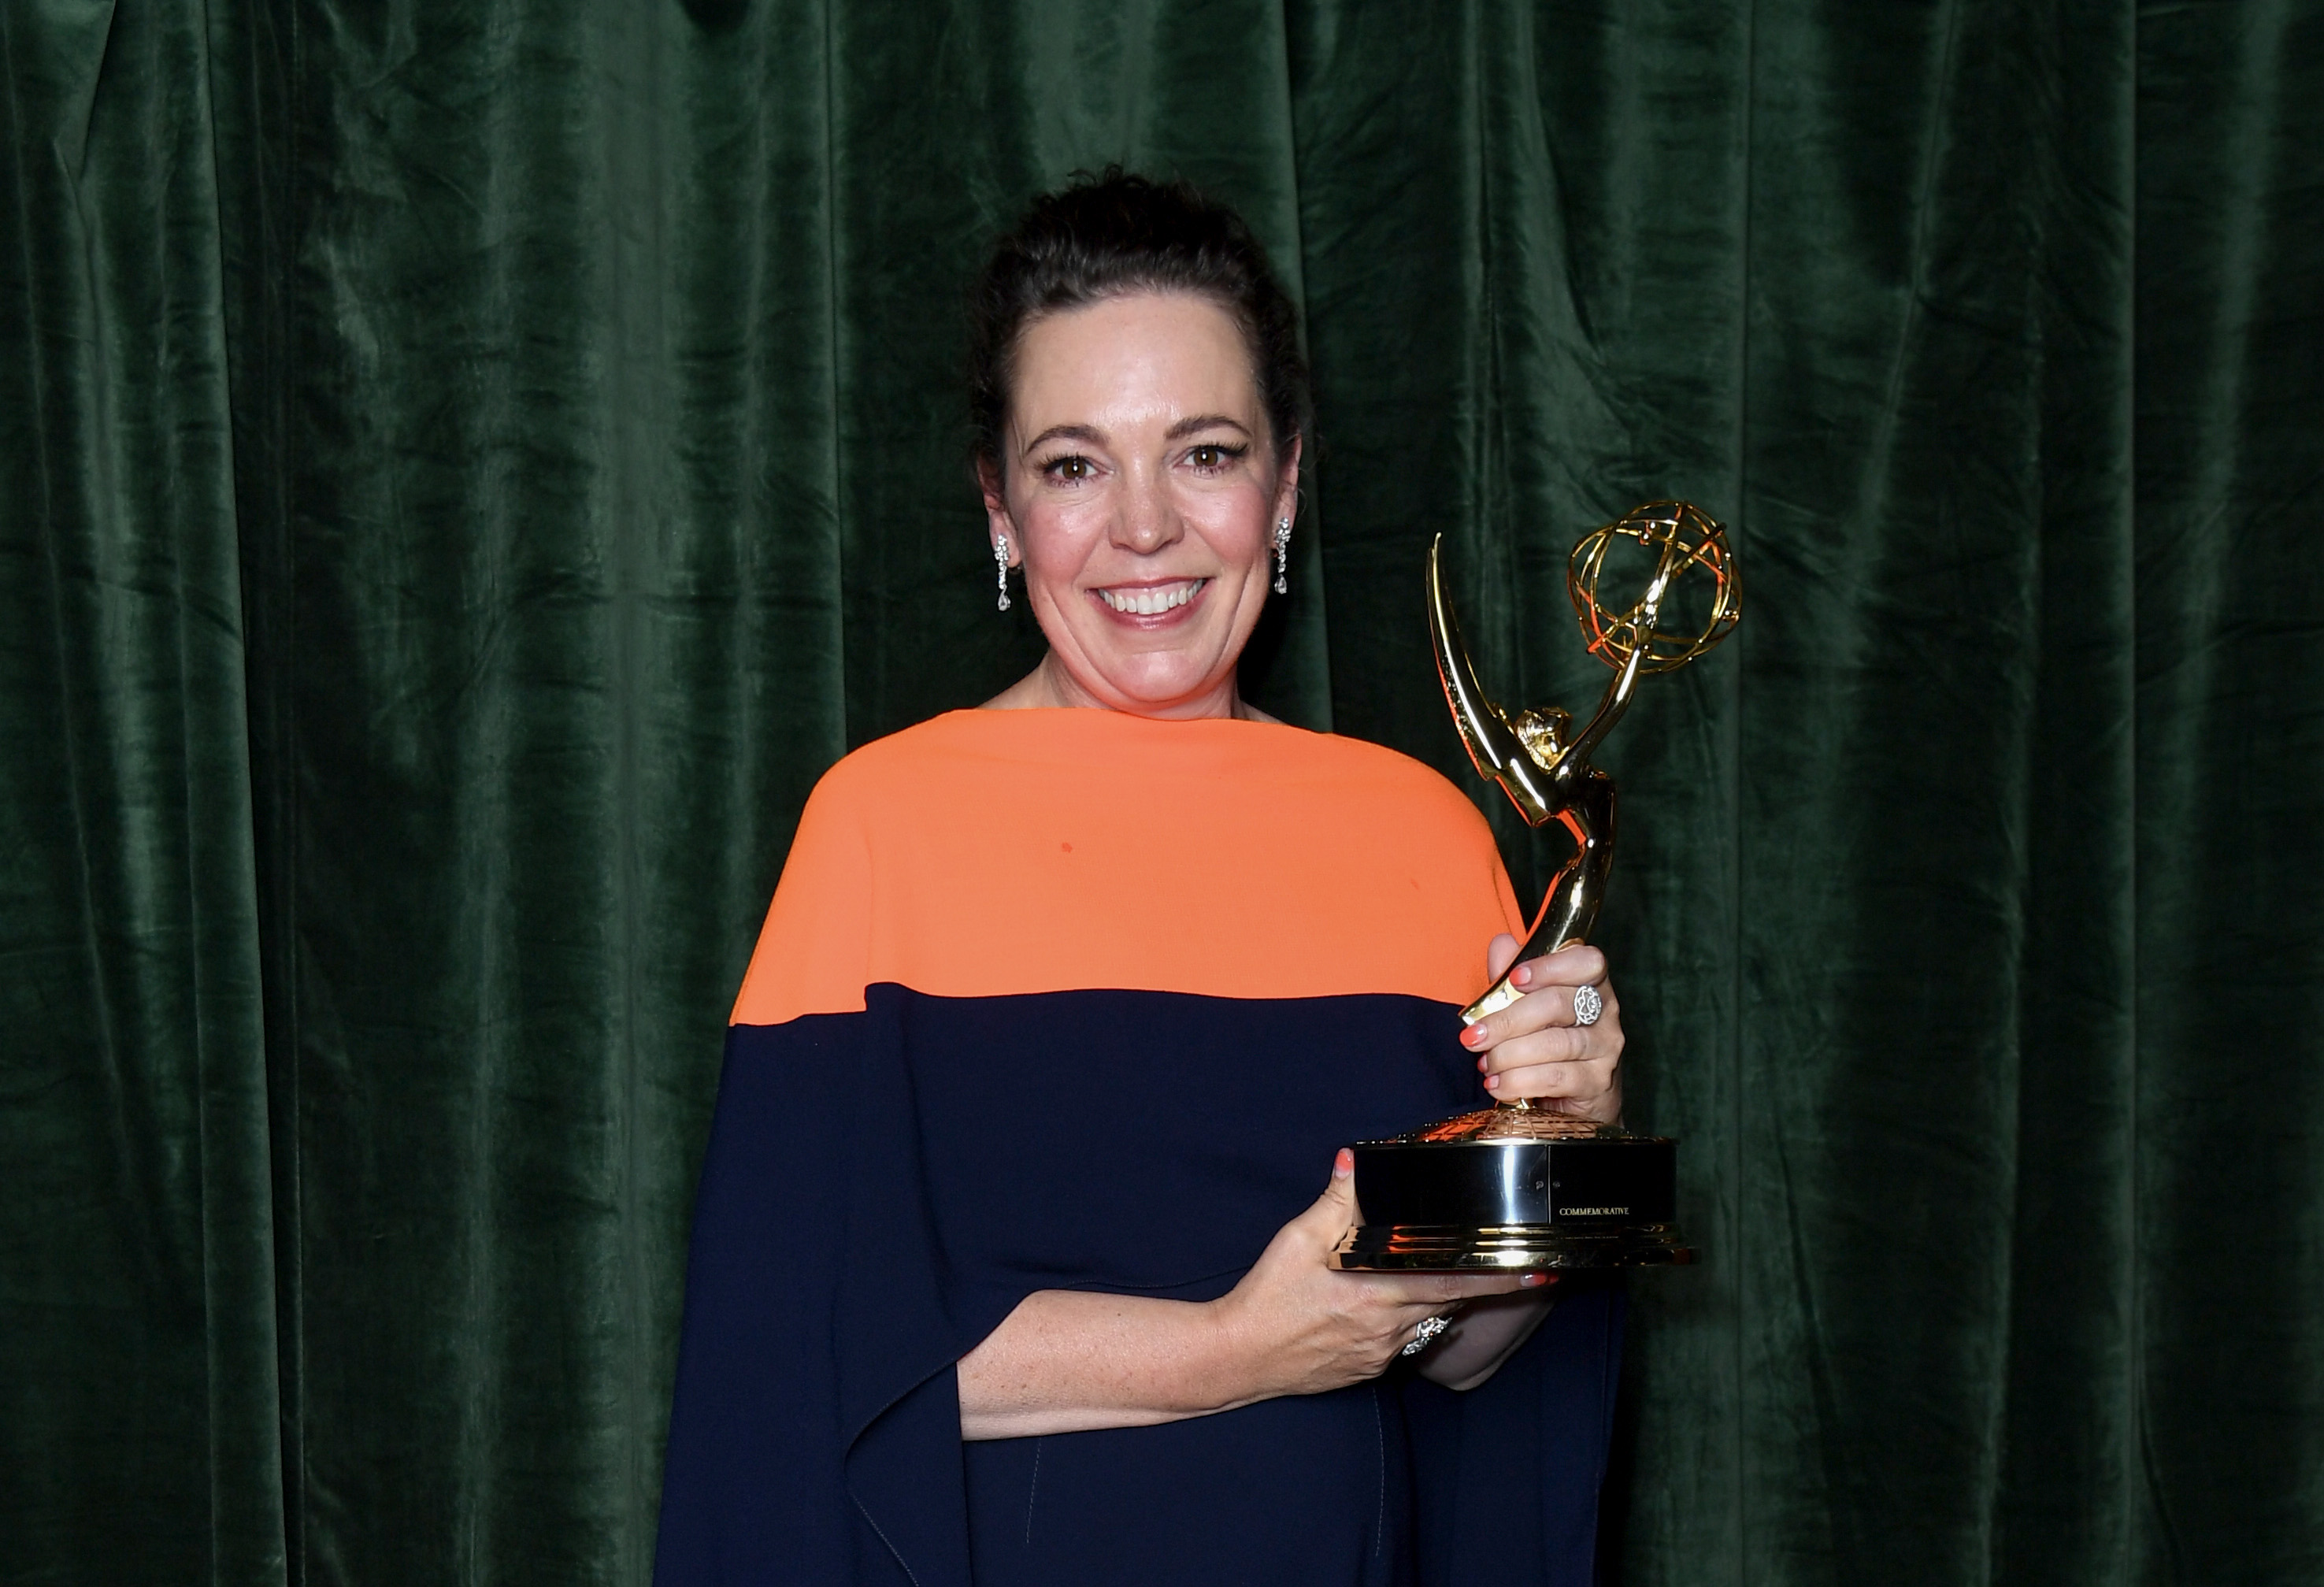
1379 1435
1032 1489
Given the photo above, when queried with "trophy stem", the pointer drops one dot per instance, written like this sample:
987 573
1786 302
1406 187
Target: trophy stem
1570 907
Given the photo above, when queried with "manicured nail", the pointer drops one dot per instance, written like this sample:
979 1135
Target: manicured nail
1522 975
1492 1082
1344 1164
1481 1063
1474 1034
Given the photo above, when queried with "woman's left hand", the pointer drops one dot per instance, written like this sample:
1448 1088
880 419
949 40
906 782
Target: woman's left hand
1533 1049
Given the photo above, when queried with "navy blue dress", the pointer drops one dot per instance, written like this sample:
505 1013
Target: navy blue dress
884 1185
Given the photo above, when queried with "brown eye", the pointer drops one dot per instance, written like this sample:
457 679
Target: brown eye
1209 457
1072 468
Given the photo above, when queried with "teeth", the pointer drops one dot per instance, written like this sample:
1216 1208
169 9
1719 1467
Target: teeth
1150 602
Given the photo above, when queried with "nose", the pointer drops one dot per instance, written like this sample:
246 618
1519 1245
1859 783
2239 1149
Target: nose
1147 520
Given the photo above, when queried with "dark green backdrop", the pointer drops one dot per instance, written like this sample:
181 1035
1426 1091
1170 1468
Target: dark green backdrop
467 468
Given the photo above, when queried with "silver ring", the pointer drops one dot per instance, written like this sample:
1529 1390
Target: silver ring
1424 1335
1587 1005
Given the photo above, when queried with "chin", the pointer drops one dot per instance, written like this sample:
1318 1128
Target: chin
1159 697
1157 689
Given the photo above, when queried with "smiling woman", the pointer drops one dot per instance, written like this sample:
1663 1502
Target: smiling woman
1005 1264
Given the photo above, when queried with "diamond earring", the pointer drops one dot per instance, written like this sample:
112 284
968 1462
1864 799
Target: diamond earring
1282 553
1000 570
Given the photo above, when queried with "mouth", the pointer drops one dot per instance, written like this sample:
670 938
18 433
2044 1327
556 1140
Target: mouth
1150 600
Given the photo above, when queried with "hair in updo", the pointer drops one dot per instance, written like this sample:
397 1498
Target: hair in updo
1113 235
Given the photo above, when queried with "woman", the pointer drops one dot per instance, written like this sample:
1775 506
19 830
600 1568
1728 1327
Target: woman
1001 1270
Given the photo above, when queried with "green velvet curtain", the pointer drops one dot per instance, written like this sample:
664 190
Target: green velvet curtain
466 467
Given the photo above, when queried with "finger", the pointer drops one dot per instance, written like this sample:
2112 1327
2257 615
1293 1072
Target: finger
1310 1237
1581 965
1339 1189
1499 955
1563 1048
1560 1044
1432 1292
1546 1008
1534 1080
1549 1008
1565 1088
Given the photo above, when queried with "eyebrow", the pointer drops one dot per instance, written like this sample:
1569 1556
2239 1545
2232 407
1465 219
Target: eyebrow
1065 432
1187 427
1095 437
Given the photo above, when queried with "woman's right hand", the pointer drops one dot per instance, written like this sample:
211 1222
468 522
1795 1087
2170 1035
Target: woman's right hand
1305 1327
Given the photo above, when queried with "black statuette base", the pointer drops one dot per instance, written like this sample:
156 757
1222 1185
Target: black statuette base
1606 1200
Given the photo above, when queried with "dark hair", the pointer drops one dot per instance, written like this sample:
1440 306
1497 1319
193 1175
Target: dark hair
1114 234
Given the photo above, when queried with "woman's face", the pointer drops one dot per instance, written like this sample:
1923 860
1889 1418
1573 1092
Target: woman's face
1139 487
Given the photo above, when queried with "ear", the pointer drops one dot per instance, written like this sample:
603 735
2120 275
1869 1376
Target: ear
997 521
1287 489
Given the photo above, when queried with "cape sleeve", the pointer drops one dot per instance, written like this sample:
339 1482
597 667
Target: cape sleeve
814 953
815 1426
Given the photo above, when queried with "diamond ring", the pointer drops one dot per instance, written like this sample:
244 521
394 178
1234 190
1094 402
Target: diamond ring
1587 1005
1424 1335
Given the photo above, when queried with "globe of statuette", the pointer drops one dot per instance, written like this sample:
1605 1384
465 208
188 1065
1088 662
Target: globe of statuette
1682 537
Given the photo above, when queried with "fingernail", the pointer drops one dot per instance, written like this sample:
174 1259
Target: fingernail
1522 975
1344 1164
1492 1082
1474 1034
1481 1063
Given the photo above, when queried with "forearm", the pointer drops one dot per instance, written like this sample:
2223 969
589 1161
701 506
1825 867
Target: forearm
1484 1334
1069 1361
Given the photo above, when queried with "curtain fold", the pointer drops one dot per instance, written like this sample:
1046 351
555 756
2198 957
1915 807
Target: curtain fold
136 1256
2228 1178
469 469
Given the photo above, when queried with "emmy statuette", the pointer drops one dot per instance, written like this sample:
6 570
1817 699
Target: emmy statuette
1517 1188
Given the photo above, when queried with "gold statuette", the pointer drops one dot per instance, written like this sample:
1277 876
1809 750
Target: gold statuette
1514 1185
1536 758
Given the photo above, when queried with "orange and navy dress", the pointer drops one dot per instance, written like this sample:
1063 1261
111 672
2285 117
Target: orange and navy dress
1070 999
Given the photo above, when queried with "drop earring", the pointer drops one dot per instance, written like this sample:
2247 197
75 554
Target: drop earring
1000 570
1281 554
